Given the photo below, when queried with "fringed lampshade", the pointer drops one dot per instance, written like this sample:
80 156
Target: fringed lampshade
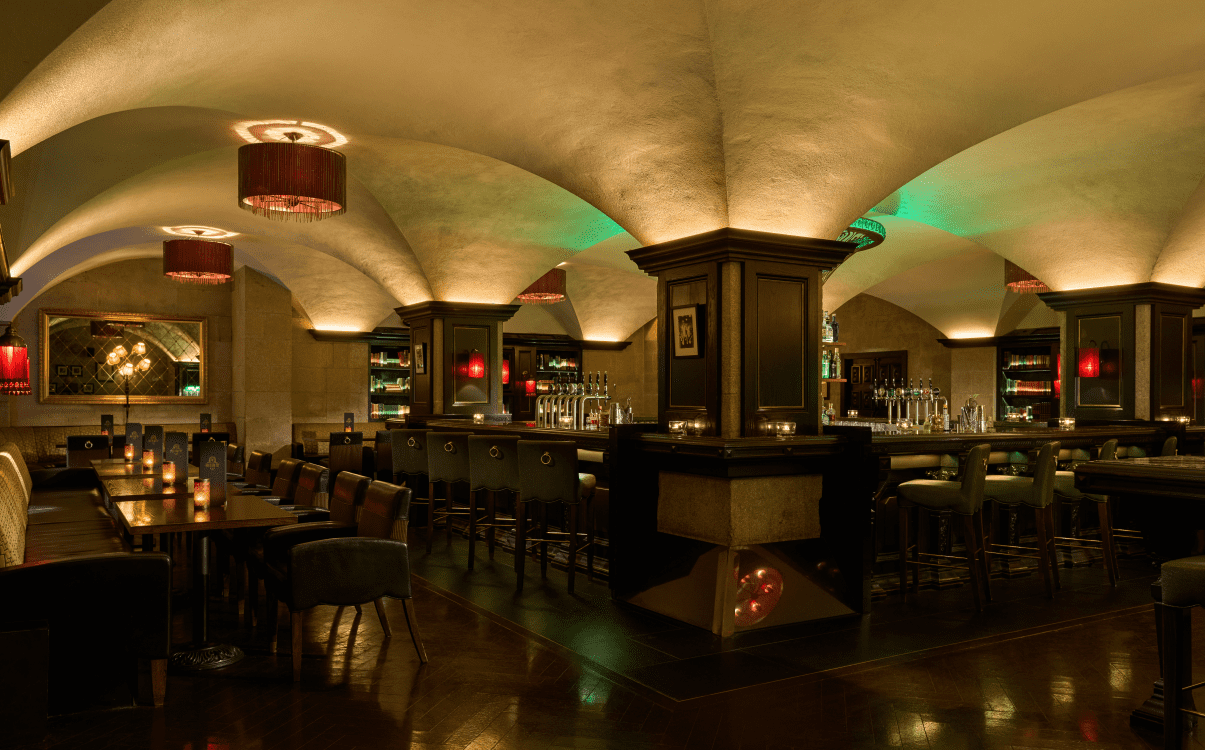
506 372
292 181
198 261
14 365
546 290
1021 281
865 233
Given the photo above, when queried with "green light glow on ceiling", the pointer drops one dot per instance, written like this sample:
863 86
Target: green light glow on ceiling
864 233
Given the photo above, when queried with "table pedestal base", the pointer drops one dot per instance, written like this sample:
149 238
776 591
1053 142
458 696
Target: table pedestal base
201 658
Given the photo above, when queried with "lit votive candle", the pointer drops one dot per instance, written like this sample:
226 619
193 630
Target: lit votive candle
148 460
478 419
697 426
851 412
566 422
677 427
785 430
1066 423
200 493
169 472
129 453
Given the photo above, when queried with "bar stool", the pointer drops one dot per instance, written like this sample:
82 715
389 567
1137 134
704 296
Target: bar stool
493 468
1064 489
1036 493
963 498
548 474
1183 584
409 449
447 462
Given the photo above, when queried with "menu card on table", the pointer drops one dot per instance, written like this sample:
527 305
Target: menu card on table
106 425
152 440
206 422
349 421
134 438
175 449
211 465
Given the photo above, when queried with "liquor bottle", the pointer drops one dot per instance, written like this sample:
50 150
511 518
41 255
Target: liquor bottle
836 366
827 334
832 321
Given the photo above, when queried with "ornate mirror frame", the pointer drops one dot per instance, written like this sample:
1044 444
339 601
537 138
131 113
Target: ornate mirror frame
45 358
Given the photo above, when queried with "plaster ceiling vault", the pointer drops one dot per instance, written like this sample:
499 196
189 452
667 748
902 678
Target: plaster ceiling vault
490 142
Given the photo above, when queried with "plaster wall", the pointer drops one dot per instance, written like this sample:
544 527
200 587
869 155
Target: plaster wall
329 378
631 372
870 324
136 286
262 369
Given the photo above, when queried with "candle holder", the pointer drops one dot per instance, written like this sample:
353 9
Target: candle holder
200 493
129 453
566 422
1066 423
169 473
478 419
148 460
677 428
785 430
696 427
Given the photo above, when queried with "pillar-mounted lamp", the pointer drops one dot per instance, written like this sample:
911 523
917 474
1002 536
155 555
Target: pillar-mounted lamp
1089 360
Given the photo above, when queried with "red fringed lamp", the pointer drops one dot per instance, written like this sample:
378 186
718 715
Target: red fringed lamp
476 365
1089 361
546 290
1058 375
198 261
14 365
506 372
1021 281
292 181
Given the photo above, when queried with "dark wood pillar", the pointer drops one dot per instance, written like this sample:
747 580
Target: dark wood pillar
446 340
752 355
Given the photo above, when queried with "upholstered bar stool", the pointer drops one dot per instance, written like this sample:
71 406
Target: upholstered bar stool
1036 493
410 460
548 474
447 462
1064 489
493 468
1183 587
964 498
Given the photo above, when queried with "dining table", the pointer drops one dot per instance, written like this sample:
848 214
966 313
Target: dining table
171 510
110 468
1158 482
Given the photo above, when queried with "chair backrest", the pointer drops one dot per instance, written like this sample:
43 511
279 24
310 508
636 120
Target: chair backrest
234 458
448 457
409 451
83 449
386 512
285 485
346 452
493 462
974 475
207 437
548 471
1169 446
1108 451
348 495
311 481
259 469
1043 474
383 456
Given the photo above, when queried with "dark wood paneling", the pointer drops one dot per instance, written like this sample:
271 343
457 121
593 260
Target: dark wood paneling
1125 347
690 386
420 401
790 357
779 337
688 376
1171 360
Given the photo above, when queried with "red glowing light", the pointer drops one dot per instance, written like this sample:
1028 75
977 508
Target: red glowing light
1198 388
1058 375
14 365
531 388
506 372
1089 362
757 595
476 365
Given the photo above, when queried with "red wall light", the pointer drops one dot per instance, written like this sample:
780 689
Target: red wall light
14 365
1089 362
476 365
506 372
531 388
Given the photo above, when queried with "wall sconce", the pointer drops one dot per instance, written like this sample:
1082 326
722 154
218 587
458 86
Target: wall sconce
476 364
506 372
1089 361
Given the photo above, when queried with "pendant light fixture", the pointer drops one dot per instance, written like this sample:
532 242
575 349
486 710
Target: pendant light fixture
14 364
198 261
546 290
1019 280
292 181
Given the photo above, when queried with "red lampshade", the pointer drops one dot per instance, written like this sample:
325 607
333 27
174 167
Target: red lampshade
14 365
1198 388
292 181
198 261
1089 362
531 388
476 365
505 372
546 290
1021 281
1058 375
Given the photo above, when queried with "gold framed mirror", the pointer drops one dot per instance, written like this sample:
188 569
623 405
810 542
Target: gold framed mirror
87 357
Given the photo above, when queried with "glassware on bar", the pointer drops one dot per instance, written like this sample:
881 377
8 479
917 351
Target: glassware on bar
677 427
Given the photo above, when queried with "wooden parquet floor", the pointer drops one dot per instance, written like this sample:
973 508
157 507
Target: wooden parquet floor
491 687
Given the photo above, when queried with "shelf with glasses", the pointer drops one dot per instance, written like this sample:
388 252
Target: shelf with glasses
833 380
831 344
1026 369
392 368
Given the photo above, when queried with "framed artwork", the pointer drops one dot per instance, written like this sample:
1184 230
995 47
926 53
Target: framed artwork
77 371
420 359
60 370
88 388
685 325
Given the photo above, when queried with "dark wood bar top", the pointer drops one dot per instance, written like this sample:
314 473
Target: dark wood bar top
585 439
1023 439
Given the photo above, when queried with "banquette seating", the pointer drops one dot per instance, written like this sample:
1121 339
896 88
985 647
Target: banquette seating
46 446
65 564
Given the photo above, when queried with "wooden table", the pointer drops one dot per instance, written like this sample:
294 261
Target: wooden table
1154 479
107 468
173 514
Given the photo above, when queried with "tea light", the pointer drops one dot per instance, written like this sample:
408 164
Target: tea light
1066 423
696 426
677 427
566 422
785 430
169 472
200 493
851 412
129 453
1184 420
478 419
200 516
148 460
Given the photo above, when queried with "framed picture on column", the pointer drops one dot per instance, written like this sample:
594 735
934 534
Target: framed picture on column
684 323
420 359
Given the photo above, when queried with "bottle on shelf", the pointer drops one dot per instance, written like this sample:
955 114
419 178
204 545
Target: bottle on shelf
827 334
836 366
832 320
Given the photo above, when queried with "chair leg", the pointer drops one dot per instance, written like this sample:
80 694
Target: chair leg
296 618
572 545
430 515
448 510
1106 541
158 681
1054 554
273 607
380 605
412 624
590 539
982 543
252 601
972 553
1177 624
520 543
903 551
1039 516
491 512
359 611
472 525
544 537
922 545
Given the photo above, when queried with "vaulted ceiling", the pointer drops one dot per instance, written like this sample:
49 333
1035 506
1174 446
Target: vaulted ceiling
489 142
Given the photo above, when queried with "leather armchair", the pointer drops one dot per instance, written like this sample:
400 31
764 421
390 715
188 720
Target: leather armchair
258 478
